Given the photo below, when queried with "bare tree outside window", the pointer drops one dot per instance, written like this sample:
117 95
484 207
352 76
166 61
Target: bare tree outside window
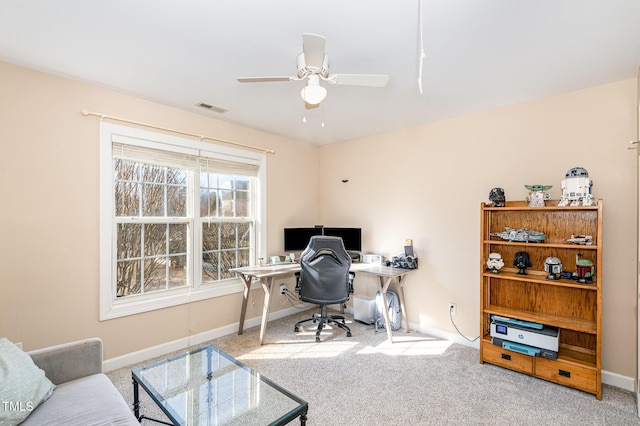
151 255
176 214
225 205
152 226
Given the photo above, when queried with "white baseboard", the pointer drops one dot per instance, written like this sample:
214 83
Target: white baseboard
608 378
186 342
619 381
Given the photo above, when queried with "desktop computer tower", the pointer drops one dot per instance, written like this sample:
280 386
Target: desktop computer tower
364 309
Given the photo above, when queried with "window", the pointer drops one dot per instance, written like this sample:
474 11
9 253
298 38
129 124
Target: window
176 216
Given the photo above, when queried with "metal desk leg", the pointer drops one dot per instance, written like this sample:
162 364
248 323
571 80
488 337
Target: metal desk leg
402 308
246 280
266 286
384 286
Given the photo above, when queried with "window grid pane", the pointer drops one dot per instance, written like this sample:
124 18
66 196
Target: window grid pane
149 190
162 266
150 256
225 245
225 196
154 255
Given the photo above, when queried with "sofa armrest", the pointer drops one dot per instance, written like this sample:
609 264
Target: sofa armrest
70 361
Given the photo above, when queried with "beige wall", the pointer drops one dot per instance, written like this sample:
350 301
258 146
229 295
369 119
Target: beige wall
49 216
427 183
424 183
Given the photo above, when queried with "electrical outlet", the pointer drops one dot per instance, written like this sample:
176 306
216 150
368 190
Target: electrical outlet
283 289
452 308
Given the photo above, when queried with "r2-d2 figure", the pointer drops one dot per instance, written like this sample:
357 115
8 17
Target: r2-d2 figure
576 188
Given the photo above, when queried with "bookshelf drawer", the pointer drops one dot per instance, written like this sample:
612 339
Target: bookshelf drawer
566 374
497 355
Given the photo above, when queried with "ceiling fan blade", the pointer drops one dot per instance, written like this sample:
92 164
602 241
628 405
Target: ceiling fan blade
371 80
264 79
313 47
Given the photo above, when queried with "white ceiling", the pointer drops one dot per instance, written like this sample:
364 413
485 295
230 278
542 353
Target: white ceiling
479 54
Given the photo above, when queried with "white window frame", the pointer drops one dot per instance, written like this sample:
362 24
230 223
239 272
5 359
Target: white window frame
112 307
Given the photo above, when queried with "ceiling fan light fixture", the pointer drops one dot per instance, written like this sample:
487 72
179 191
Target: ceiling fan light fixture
313 93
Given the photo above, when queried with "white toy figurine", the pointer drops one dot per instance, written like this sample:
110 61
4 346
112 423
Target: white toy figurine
537 195
576 188
495 262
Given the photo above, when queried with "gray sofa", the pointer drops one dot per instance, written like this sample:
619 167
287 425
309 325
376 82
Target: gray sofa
83 395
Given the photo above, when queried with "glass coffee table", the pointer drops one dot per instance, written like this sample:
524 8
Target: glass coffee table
208 387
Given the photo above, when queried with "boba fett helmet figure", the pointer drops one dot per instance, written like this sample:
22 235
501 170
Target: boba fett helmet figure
584 270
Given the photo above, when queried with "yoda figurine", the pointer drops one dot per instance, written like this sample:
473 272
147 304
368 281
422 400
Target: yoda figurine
538 195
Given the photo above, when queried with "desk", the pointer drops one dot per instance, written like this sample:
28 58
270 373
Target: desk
266 275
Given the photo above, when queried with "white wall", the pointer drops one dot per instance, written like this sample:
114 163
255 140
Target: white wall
426 183
49 217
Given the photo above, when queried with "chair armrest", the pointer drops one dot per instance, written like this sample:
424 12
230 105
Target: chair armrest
69 361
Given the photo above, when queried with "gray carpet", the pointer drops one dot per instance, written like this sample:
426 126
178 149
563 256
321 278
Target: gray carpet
419 380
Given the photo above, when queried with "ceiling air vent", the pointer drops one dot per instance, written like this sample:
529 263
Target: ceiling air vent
214 108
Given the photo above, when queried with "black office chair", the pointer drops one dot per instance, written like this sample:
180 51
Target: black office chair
325 279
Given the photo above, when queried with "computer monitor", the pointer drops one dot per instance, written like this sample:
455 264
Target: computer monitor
351 237
297 239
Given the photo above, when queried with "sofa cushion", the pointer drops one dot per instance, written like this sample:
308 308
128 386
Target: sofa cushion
23 386
91 400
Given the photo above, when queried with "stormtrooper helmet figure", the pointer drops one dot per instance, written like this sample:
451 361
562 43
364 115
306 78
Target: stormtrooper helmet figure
495 262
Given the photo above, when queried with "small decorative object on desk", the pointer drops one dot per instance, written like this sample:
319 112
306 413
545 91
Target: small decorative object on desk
522 262
275 260
553 266
584 270
408 248
582 240
520 235
496 196
405 262
538 195
495 262
576 188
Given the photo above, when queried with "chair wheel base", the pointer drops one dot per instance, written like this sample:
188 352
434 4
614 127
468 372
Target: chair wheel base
323 319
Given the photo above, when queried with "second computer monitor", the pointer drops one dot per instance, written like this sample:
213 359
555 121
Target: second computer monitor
351 237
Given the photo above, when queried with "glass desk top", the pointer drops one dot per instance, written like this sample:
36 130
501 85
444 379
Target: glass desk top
209 387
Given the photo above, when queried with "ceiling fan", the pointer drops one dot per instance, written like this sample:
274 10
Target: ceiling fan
313 66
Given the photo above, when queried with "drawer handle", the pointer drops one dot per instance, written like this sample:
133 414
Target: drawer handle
564 373
506 356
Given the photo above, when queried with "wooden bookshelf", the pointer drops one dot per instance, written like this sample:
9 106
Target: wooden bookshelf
574 308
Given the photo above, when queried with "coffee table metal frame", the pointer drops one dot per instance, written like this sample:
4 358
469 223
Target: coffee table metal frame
138 380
